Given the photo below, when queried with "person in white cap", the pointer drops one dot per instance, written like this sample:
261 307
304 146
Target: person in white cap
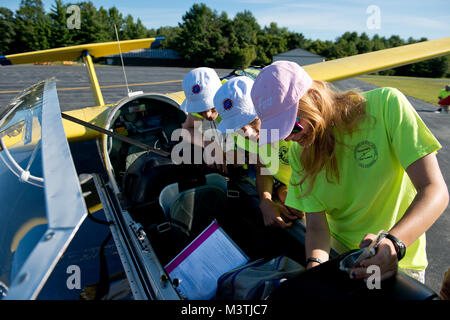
239 119
199 86
234 105
361 163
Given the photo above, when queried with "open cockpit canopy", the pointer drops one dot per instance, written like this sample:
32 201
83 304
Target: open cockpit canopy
42 205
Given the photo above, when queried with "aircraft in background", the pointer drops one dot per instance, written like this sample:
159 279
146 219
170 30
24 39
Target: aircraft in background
45 201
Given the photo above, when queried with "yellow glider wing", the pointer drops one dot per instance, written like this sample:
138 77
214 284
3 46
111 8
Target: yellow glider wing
95 115
75 52
378 60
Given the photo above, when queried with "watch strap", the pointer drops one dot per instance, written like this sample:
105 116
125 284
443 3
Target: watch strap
312 259
400 247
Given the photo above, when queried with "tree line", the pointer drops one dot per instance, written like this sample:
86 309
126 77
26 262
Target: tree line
204 37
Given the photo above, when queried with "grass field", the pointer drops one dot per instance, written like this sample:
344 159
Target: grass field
425 89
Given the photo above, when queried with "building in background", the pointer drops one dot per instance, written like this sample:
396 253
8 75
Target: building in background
146 57
300 56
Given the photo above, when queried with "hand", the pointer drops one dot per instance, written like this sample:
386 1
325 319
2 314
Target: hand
215 162
299 214
282 193
385 257
272 213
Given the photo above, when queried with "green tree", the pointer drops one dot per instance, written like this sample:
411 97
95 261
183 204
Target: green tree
105 29
395 41
346 47
241 36
327 49
204 38
274 30
349 37
433 68
245 27
60 34
364 44
200 39
32 27
115 19
295 40
318 47
241 57
6 30
269 44
378 43
95 25
169 34
132 30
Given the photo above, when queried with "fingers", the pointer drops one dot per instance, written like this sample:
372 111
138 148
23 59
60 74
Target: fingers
274 212
272 218
281 223
362 273
276 222
364 243
358 273
385 258
385 255
287 213
368 238
296 213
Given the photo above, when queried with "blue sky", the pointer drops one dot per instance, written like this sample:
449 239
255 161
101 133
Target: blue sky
318 19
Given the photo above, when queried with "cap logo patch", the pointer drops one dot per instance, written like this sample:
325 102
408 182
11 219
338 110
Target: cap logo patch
196 89
264 103
227 104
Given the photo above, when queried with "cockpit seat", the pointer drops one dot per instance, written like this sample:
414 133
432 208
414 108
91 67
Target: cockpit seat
169 194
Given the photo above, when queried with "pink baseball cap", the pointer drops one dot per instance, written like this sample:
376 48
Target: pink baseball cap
275 93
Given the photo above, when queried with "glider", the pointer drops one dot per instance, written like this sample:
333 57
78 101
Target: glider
36 167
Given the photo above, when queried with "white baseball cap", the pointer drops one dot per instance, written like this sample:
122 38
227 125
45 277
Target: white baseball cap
200 86
234 104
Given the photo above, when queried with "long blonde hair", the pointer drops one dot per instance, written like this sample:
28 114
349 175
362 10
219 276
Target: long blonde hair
325 109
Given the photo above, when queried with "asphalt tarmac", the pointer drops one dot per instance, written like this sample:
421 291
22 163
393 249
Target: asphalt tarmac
74 92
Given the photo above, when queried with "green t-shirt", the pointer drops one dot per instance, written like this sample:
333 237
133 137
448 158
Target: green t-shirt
280 170
443 94
374 190
195 114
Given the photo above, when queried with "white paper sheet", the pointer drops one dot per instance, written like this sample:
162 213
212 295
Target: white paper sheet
203 261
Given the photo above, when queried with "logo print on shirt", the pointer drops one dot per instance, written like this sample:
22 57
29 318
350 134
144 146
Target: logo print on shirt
283 155
227 104
196 89
366 154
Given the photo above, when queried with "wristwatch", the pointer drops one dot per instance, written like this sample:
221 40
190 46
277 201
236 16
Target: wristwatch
312 259
400 247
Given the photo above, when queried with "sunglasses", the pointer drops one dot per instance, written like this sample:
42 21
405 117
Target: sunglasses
297 126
